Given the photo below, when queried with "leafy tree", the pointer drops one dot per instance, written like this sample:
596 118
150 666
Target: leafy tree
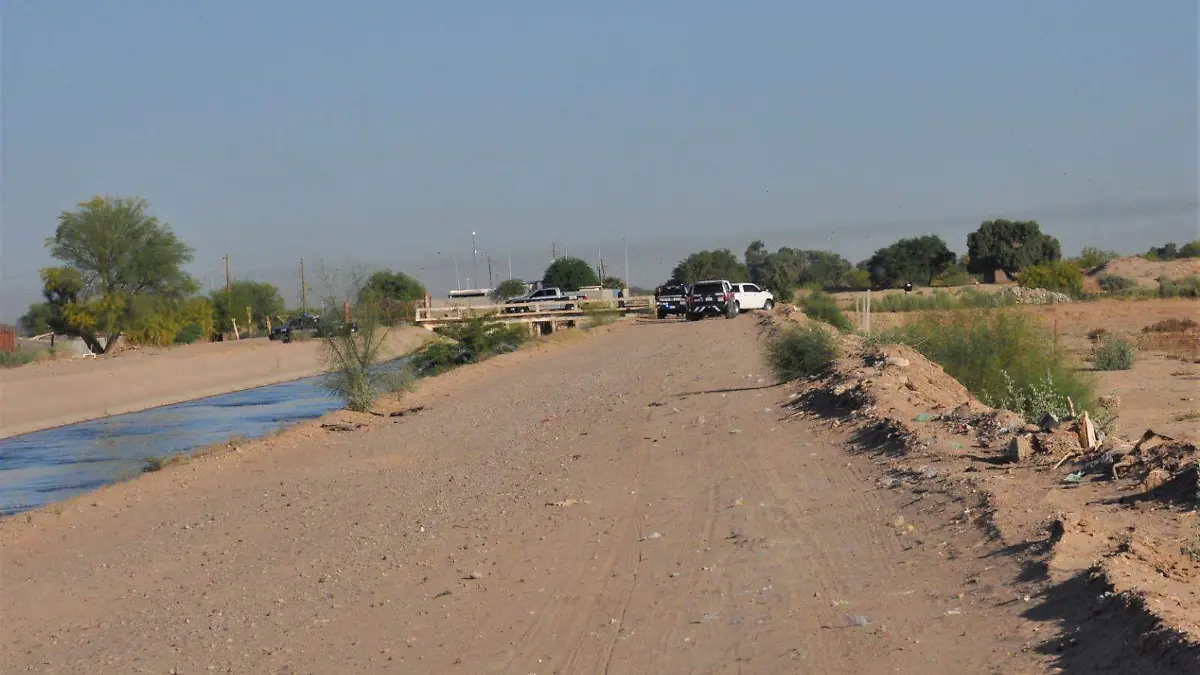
1010 246
822 268
37 320
917 259
756 260
113 252
570 274
613 283
1190 249
262 298
397 294
721 264
779 273
509 288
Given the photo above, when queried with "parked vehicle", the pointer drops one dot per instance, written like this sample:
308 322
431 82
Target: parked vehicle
670 299
752 296
312 325
546 299
711 298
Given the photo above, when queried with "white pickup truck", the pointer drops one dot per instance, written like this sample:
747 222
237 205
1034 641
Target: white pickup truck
543 300
751 296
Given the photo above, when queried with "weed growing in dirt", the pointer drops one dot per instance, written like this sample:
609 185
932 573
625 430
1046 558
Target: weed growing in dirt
1172 325
821 306
1113 354
1002 357
800 351
152 464
1188 287
473 340
14 359
1111 283
353 358
595 317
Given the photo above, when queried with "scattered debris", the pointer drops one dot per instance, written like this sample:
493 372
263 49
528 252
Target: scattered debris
340 426
652 535
1020 448
568 502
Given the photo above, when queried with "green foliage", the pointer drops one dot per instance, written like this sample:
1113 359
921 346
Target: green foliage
1113 354
510 288
858 279
1111 283
721 264
469 341
1092 257
918 260
115 254
570 274
353 359
1188 287
1172 252
821 306
38 319
788 269
398 295
599 316
1001 356
941 301
263 299
1058 276
613 283
954 276
189 333
158 321
756 257
1010 246
800 351
14 359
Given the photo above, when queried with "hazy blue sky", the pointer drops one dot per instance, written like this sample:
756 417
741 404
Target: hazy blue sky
385 132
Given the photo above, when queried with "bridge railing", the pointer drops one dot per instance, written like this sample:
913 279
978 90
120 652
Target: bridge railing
461 312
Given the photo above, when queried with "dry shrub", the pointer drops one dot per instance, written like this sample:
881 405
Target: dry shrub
1172 325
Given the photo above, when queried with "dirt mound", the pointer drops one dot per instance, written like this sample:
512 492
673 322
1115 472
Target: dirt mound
1112 498
1146 272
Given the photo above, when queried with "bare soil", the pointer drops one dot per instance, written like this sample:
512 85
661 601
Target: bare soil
54 393
638 500
1145 272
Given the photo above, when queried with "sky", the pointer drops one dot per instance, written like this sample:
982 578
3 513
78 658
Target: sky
366 134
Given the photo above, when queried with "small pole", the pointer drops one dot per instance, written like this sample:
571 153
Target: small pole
303 289
249 321
510 265
228 276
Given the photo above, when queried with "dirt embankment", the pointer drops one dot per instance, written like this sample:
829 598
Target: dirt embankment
636 502
50 394
1147 272
1110 531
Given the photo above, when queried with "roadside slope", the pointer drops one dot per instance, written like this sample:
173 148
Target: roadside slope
47 395
625 504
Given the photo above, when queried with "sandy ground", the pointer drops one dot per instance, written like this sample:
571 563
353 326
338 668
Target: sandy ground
629 502
44 395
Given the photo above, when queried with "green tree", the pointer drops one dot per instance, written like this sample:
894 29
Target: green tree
114 253
397 293
1058 276
1010 246
37 320
756 260
613 283
1190 249
822 268
779 273
509 288
918 260
570 274
262 298
1091 257
719 264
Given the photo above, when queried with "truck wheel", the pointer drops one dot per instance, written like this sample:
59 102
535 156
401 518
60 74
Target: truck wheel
769 304
693 317
732 311
662 314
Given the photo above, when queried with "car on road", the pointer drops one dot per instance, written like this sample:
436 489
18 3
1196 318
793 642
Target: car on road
670 299
711 298
310 325
546 300
752 296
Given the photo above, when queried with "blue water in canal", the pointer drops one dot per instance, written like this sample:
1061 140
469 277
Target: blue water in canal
51 465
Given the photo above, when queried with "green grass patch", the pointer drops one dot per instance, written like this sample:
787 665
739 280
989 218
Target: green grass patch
941 301
800 351
822 306
1188 287
1001 356
14 359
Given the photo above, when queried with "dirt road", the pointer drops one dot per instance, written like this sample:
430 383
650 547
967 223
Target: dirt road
629 503
45 395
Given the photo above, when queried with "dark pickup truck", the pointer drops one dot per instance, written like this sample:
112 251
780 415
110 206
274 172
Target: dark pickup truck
670 299
711 298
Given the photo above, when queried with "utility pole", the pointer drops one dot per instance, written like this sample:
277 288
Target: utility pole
553 251
625 243
474 259
457 282
510 264
228 277
303 290
491 284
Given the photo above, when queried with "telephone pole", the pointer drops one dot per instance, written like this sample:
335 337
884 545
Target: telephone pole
491 284
303 289
510 264
474 259
624 242
228 277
